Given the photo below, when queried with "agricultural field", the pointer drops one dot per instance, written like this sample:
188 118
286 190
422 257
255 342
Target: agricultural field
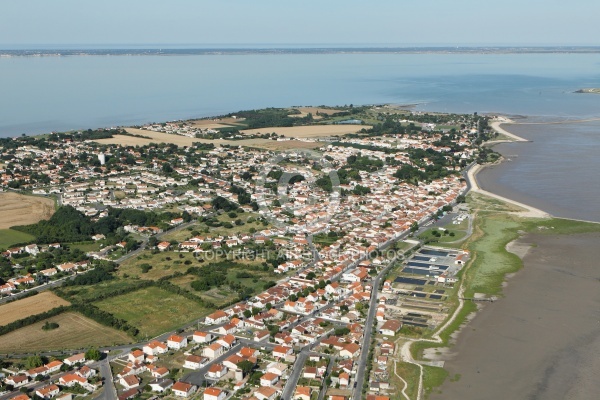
33 305
160 137
310 131
153 310
9 237
18 209
75 331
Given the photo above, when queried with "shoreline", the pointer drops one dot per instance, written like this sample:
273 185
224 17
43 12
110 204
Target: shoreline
529 211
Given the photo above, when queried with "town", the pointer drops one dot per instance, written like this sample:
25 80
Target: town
232 272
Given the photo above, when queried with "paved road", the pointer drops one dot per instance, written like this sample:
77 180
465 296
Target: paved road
327 373
197 377
362 361
290 385
110 391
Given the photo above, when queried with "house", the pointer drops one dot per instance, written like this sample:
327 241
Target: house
265 393
176 342
344 379
17 380
155 347
202 337
302 392
159 372
217 317
183 389
277 368
54 366
227 341
34 372
161 385
136 356
129 381
70 380
377 397
282 351
86 372
269 379
310 372
213 351
390 327
163 246
350 350
216 371
20 397
261 336
129 394
194 362
213 393
47 392
76 359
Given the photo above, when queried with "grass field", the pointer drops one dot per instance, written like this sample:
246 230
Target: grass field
8 237
75 331
18 209
29 306
153 310
161 265
309 131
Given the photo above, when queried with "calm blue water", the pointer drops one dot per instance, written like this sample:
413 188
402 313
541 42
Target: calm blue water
42 94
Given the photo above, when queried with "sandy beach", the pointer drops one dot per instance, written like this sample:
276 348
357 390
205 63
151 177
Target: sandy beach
542 339
528 211
496 125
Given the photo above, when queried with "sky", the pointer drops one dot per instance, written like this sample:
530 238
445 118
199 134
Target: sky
26 23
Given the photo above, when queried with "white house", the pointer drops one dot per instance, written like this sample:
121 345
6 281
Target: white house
177 342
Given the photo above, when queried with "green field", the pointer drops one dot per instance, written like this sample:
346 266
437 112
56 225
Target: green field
153 310
9 237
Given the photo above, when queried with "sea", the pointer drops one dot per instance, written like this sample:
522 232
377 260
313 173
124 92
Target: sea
556 171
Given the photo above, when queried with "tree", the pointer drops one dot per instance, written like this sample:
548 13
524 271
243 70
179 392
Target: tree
247 313
246 366
92 354
34 362
414 227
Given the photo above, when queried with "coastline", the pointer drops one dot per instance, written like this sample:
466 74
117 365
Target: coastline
496 125
507 351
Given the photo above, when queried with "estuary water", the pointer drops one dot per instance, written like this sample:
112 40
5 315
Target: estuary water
555 172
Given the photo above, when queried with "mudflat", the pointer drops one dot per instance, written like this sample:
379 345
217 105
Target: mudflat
542 339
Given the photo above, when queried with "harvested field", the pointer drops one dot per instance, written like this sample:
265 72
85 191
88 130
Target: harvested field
159 137
30 306
310 131
75 331
18 209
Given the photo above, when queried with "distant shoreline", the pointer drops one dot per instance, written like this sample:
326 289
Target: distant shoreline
154 51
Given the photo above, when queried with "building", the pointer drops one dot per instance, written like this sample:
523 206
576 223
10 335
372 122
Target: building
390 327
176 342
214 394
183 389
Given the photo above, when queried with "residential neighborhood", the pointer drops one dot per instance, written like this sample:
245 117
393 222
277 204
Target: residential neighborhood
342 281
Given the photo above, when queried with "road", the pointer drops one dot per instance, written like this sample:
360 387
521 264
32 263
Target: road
292 382
110 391
362 361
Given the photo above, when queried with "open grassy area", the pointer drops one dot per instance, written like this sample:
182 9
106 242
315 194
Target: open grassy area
153 310
309 131
29 306
408 372
433 377
9 237
86 247
90 293
75 331
163 264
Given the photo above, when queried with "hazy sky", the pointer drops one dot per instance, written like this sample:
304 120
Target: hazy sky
449 22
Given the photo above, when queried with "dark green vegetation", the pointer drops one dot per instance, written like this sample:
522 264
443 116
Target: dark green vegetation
69 225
